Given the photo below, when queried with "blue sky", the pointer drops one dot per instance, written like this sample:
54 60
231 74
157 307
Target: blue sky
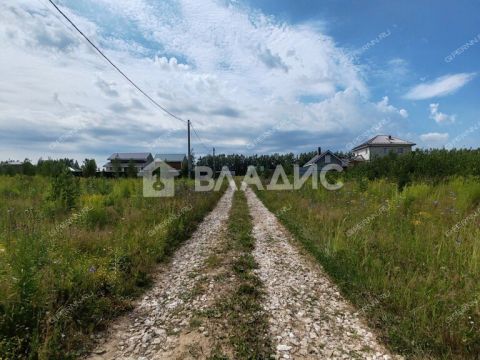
423 34
254 76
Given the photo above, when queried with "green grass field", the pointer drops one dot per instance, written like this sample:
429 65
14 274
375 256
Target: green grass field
73 255
400 258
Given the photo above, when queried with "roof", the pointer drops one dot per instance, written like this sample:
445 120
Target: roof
383 140
170 157
317 157
159 163
14 162
358 158
130 156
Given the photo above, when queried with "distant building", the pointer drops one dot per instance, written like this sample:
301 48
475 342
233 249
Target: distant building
139 160
14 162
381 145
322 159
173 160
356 160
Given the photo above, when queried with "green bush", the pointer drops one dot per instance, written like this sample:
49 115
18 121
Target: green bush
65 188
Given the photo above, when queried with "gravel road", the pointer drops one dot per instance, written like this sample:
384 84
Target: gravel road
309 319
158 327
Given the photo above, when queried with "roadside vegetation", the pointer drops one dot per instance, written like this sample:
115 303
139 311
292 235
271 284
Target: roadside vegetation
75 252
431 166
409 260
419 164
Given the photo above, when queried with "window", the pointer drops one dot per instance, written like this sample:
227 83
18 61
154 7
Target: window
385 150
327 159
400 150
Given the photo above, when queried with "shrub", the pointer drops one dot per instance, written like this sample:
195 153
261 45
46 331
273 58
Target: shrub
65 188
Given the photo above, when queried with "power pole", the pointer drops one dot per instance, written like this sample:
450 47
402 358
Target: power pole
214 173
189 153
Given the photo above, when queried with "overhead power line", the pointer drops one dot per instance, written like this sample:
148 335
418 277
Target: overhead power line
115 66
199 138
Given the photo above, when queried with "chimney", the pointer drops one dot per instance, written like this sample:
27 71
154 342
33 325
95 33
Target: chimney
389 137
319 150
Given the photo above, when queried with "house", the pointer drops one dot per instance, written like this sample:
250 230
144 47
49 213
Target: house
139 160
14 163
173 160
381 145
159 165
322 159
355 160
75 172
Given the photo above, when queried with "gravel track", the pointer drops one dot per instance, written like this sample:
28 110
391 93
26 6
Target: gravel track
309 319
158 327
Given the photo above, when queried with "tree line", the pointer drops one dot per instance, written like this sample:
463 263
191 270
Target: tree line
420 164
49 167
265 164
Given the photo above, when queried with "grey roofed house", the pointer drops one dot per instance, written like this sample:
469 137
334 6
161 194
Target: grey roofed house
173 160
131 156
171 157
140 160
14 162
324 158
382 145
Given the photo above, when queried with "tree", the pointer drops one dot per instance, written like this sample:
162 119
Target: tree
28 168
89 167
117 168
132 169
65 188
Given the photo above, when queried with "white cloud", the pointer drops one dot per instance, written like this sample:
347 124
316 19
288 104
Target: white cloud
441 86
233 71
440 117
434 138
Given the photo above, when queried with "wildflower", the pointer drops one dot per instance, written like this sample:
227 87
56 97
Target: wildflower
92 269
416 222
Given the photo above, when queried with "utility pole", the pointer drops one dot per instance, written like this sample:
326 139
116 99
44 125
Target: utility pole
214 173
189 153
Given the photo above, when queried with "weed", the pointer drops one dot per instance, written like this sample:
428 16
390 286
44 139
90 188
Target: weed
71 261
404 251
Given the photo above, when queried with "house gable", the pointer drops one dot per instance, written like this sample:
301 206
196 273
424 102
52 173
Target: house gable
323 159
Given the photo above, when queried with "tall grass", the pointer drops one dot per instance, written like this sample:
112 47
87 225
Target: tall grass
396 257
64 271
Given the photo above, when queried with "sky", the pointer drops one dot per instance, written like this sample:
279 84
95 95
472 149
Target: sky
259 76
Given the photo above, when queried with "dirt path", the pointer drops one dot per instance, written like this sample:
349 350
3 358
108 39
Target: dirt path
183 315
309 319
160 326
